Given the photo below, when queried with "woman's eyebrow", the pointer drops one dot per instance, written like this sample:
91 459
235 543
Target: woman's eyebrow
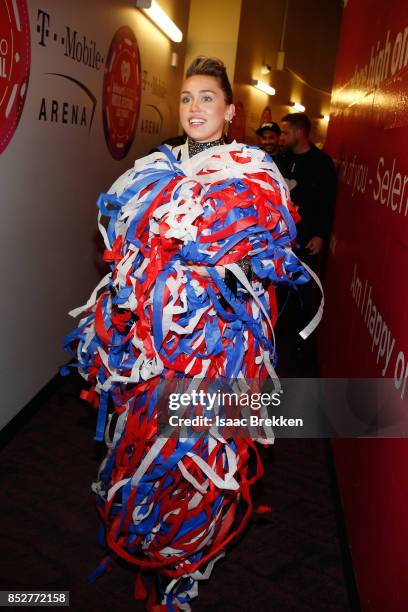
201 91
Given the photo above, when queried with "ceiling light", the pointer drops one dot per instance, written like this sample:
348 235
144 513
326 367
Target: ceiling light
161 20
298 107
264 87
326 118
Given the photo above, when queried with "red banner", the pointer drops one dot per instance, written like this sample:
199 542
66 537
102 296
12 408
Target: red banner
365 331
15 59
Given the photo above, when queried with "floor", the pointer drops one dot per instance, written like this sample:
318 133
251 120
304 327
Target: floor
290 559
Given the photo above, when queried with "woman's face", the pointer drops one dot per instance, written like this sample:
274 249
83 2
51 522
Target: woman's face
203 109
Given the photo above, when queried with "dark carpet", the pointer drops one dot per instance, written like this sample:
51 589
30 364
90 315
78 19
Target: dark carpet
288 560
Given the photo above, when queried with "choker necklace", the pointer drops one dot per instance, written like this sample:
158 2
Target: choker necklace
195 147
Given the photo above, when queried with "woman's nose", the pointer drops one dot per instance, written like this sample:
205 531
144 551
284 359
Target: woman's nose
195 105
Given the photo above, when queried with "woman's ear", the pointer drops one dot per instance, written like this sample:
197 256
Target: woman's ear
229 115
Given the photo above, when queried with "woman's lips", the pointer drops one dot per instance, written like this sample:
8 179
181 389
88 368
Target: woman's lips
196 122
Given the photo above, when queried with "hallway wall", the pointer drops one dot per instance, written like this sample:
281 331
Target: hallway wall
78 117
213 31
365 328
57 83
307 34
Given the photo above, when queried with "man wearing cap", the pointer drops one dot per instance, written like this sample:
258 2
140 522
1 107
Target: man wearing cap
269 134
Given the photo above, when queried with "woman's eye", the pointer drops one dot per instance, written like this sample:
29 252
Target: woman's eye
185 100
207 98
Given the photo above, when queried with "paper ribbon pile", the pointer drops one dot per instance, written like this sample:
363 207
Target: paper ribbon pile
165 312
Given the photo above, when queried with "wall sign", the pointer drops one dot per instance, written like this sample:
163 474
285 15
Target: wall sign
71 102
365 331
14 65
121 92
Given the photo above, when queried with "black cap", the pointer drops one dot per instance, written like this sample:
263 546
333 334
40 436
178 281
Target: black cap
272 127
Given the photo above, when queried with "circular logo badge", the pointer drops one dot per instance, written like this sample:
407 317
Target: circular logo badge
14 65
121 92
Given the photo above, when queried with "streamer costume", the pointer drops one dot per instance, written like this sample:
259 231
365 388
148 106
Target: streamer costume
173 505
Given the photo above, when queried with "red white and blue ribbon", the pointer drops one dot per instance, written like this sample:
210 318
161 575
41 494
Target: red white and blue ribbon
170 504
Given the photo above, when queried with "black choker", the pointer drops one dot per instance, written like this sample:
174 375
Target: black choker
195 147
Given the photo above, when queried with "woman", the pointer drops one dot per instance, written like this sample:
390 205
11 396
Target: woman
193 236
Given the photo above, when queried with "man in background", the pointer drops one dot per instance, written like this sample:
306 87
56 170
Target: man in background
269 135
311 178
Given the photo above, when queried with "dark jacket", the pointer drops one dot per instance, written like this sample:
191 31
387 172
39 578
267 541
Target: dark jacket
311 178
